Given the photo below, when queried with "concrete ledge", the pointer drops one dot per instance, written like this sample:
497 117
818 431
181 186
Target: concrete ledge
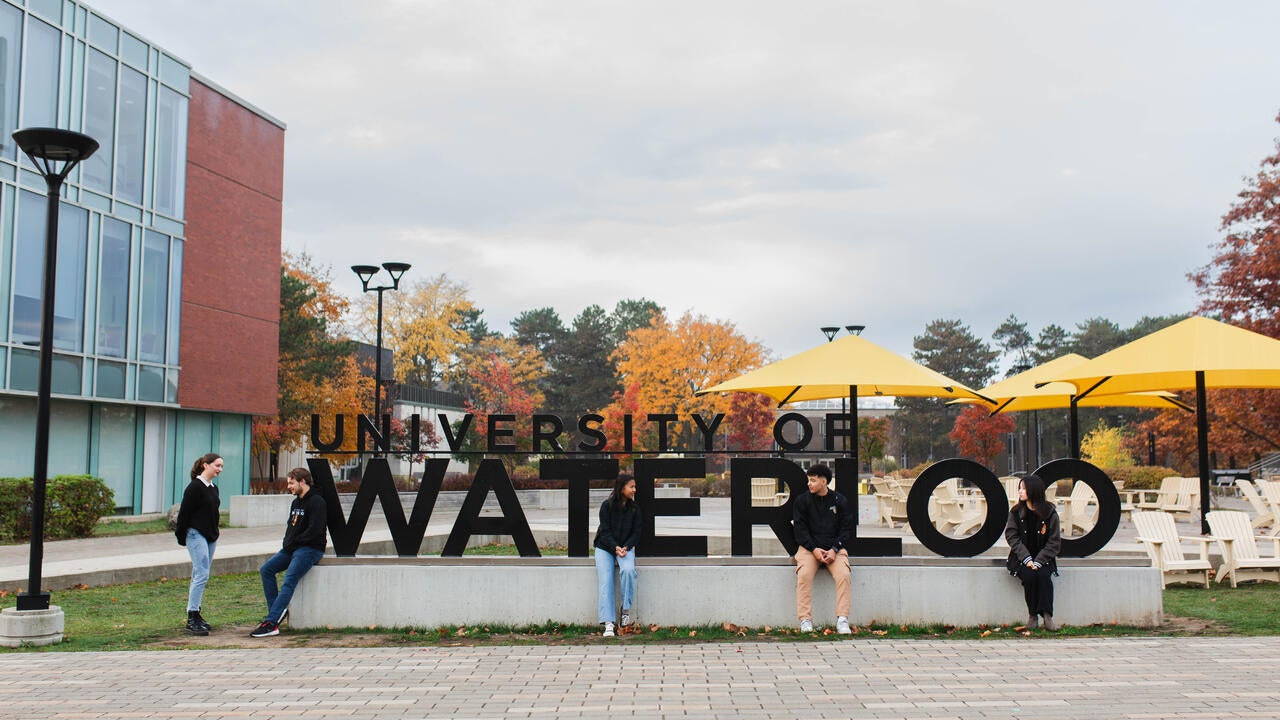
259 510
430 592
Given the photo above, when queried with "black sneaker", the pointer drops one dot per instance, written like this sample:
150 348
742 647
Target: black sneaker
265 629
194 627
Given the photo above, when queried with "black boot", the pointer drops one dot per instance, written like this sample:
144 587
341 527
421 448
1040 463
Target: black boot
203 623
194 625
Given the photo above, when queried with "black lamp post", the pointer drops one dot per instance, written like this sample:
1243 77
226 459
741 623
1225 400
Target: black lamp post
1026 425
366 273
54 153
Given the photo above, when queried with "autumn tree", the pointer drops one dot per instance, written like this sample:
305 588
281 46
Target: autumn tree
979 435
503 381
425 324
663 365
317 371
1241 284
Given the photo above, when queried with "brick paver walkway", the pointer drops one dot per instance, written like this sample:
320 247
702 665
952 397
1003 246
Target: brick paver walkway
858 678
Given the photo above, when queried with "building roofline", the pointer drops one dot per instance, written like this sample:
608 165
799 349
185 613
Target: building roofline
237 100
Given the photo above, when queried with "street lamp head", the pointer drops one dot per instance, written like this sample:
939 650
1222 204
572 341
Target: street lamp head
396 270
855 329
366 273
830 331
54 151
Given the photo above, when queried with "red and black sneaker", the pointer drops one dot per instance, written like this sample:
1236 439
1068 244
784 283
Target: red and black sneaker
265 629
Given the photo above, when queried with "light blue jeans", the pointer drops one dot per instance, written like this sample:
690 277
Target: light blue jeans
607 610
294 564
201 552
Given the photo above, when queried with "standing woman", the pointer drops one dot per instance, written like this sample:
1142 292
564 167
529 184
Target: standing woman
1034 537
197 528
615 542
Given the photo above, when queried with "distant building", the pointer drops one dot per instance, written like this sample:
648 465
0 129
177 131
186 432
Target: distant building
167 299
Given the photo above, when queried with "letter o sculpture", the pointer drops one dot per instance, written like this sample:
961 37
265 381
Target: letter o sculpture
918 508
1108 503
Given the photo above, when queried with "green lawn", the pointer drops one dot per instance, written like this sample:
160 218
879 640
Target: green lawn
150 615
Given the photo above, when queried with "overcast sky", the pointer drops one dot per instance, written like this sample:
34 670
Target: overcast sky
781 165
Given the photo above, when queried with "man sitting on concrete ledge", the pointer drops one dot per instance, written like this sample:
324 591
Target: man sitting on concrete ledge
304 543
823 520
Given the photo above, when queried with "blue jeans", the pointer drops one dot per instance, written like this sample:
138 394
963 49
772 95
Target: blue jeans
294 564
201 552
607 611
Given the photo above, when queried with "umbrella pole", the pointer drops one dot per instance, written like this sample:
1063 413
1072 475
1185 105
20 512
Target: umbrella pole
853 448
1202 448
1075 428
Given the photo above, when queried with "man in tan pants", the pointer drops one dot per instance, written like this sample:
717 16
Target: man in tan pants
823 522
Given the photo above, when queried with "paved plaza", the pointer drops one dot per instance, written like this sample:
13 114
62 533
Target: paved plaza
858 678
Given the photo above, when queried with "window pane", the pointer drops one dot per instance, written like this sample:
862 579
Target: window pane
25 370
171 138
151 384
113 289
69 423
110 380
68 299
117 436
66 375
103 33
40 92
99 119
133 130
134 51
154 301
10 60
28 263
175 302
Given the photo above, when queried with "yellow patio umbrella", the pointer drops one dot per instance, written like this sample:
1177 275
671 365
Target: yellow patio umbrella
1033 390
843 368
1196 353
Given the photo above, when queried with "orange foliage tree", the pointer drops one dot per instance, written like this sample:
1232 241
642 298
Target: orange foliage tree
979 435
1242 285
500 383
662 365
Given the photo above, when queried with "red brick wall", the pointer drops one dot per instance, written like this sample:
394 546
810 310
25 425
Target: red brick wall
231 257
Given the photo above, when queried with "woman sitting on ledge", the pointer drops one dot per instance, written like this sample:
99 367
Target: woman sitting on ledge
1034 537
615 541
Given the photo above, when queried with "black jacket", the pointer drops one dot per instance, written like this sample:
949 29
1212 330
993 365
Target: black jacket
619 527
308 519
1032 536
822 521
198 511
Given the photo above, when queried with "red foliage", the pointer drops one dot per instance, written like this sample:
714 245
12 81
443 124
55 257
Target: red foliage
979 435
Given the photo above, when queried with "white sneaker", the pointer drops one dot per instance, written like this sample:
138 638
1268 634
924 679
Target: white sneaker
626 618
608 629
806 625
842 626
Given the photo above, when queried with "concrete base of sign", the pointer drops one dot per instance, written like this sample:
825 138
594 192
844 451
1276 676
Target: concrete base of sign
752 592
259 510
22 628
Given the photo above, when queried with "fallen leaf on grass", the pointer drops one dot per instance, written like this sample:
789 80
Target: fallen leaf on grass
984 633
826 631
655 628
879 633
729 627
693 633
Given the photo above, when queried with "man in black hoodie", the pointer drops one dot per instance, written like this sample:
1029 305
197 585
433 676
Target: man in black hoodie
304 543
823 521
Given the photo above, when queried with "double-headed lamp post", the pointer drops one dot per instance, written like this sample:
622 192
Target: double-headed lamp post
366 272
830 331
54 153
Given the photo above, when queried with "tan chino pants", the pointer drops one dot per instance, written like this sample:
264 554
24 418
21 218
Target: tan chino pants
806 568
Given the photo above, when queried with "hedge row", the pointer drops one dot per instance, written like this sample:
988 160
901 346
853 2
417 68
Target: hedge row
73 505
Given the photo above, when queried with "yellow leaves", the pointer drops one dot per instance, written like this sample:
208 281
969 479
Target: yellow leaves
421 323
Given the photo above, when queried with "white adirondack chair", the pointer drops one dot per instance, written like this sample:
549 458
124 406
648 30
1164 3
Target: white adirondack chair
1270 491
1240 557
1263 514
1159 535
1078 510
1167 493
891 502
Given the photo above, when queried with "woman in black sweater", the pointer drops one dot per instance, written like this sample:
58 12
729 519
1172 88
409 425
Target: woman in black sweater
197 528
615 542
1034 536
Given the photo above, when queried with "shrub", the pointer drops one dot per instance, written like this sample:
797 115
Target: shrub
73 505
1140 477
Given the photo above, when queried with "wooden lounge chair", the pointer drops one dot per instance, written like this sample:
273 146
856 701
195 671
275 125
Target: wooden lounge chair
764 493
955 513
1079 509
891 502
1167 493
1159 536
1270 492
1240 557
1264 516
